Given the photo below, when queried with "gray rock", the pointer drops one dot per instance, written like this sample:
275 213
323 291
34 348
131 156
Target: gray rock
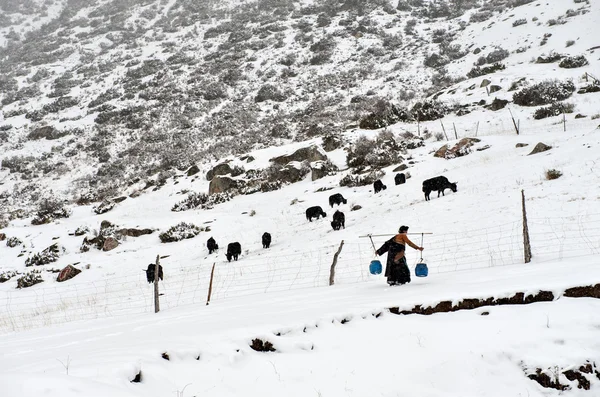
462 148
495 88
539 148
193 170
67 273
485 83
220 184
110 243
401 167
521 145
219 169
310 154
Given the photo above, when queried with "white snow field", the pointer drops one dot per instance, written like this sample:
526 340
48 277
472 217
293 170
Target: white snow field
91 335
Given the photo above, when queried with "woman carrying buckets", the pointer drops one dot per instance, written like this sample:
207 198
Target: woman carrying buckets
396 269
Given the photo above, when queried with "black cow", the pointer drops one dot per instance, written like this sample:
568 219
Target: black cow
315 212
337 199
379 186
400 178
266 240
339 220
233 251
212 245
150 272
439 183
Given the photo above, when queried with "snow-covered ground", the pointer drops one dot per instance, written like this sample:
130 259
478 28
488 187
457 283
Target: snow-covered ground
102 327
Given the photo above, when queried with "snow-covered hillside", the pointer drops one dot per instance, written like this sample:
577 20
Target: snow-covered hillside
113 92
119 117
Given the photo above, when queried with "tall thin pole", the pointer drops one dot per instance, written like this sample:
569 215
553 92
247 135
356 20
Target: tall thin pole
443 129
477 129
332 270
156 271
212 274
455 134
526 242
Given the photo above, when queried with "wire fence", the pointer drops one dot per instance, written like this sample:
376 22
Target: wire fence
552 238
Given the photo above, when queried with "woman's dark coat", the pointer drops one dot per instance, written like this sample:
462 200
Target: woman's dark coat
395 271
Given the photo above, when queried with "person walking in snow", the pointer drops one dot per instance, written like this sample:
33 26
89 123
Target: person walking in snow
396 269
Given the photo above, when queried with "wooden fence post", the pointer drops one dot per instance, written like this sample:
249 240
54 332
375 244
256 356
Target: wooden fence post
212 274
332 270
526 242
455 134
477 129
443 129
514 122
156 272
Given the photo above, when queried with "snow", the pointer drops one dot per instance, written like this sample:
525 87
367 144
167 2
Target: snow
91 335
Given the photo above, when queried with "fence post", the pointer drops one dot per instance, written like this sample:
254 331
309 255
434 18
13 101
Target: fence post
455 134
526 242
514 122
212 274
332 270
156 271
477 129
443 129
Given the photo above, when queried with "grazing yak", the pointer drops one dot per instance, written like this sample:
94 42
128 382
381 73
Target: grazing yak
379 186
150 272
212 245
339 220
233 251
266 240
337 199
315 212
439 183
400 178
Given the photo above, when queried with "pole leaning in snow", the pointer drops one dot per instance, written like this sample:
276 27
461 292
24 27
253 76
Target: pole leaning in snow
526 242
156 271
332 270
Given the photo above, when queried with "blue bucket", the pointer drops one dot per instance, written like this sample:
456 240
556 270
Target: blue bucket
375 267
421 270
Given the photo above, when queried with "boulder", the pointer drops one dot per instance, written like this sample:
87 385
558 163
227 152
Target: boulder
110 243
355 207
46 132
105 225
219 169
67 273
462 148
485 83
331 142
2 236
521 145
221 184
193 170
132 232
539 148
401 167
495 88
119 199
293 172
321 169
309 153
497 104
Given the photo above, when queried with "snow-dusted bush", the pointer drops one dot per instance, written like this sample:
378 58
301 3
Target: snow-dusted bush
104 207
519 22
193 200
385 114
12 242
553 110
553 174
180 232
480 16
497 55
551 58
269 92
49 210
544 93
29 279
361 180
573 62
7 275
481 71
378 153
48 255
429 110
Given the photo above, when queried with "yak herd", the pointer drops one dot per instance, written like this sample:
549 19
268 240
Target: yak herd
439 184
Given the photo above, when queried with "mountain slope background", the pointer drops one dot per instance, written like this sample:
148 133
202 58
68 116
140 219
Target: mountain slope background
99 96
